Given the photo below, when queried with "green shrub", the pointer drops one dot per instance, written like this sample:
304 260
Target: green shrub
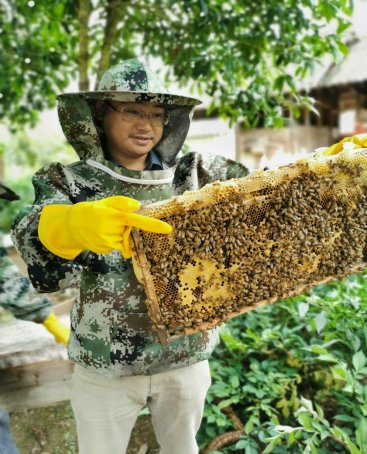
294 373
24 155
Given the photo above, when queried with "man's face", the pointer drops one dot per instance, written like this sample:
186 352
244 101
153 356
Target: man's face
131 137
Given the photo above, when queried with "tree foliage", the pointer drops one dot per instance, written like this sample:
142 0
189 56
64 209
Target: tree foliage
247 56
37 54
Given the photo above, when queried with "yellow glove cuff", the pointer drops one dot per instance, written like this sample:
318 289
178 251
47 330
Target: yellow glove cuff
52 232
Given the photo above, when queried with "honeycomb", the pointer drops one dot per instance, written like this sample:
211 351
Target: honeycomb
243 243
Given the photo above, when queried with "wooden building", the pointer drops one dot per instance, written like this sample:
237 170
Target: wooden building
340 93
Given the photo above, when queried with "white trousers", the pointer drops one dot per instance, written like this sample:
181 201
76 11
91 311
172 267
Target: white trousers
106 410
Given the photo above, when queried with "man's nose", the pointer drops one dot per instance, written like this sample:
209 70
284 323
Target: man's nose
144 122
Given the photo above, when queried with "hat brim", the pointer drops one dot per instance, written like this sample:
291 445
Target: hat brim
156 98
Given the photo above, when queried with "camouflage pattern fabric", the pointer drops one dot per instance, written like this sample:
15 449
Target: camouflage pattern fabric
17 294
110 329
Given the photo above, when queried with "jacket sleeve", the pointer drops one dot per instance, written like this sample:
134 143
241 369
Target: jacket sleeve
18 295
195 171
47 272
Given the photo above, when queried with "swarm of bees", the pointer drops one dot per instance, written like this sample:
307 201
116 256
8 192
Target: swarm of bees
247 242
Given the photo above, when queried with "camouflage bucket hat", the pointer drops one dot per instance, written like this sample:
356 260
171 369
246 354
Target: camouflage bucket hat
129 81
7 194
133 81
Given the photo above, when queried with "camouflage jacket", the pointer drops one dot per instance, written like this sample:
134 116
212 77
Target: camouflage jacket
110 327
17 294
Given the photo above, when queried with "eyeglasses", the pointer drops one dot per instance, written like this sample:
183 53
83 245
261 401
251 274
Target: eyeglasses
131 115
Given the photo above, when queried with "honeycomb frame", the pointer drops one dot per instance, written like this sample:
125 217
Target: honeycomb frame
243 243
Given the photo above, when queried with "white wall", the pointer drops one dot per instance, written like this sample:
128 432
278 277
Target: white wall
212 136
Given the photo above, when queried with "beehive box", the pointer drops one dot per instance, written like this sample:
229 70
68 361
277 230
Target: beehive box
243 243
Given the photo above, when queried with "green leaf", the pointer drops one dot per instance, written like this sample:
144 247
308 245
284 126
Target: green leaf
345 418
241 444
305 420
317 425
327 9
221 389
359 360
361 433
320 413
343 48
249 426
321 321
343 438
364 409
272 445
328 358
221 422
339 372
286 429
235 381
342 26
227 402
316 349
307 404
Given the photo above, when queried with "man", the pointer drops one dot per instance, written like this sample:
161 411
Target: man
128 135
18 297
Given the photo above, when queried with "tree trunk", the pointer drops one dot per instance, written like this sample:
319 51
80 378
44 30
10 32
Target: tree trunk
83 59
115 10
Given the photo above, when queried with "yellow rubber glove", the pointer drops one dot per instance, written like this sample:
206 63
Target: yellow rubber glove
101 226
359 141
59 330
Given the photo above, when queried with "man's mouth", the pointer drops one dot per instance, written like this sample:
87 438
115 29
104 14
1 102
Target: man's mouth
141 140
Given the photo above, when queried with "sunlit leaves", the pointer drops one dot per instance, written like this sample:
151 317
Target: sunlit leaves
35 58
246 56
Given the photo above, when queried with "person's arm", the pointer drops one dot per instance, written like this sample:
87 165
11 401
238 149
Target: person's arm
58 229
194 171
47 272
18 296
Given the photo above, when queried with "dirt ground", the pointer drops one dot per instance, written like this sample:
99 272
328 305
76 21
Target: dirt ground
51 430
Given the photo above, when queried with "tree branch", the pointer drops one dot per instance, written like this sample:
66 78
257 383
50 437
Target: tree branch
83 58
228 437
